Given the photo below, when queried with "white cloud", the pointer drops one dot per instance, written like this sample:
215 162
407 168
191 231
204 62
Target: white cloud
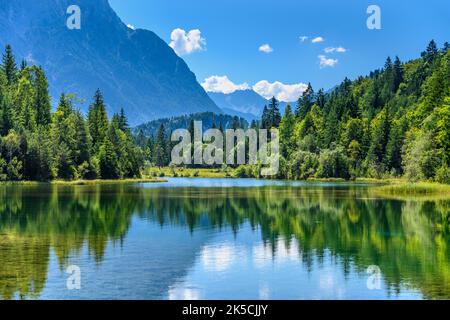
317 40
222 84
281 91
327 62
265 48
184 293
132 27
303 38
185 43
335 49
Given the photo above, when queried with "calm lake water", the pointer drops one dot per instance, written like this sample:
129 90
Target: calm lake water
221 239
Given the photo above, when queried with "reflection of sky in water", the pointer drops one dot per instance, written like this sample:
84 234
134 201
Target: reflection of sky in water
225 182
172 263
200 245
242 267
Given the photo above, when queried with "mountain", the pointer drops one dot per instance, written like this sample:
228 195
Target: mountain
134 69
208 119
243 103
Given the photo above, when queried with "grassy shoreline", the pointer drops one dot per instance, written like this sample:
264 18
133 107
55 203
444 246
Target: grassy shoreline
405 189
390 188
83 182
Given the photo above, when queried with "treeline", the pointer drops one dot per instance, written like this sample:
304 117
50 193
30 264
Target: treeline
154 137
36 144
394 122
208 119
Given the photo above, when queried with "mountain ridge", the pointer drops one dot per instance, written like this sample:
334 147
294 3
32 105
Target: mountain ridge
244 103
135 69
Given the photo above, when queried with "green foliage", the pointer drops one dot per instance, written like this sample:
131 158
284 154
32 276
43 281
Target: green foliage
160 152
38 145
9 67
393 122
271 117
98 121
333 164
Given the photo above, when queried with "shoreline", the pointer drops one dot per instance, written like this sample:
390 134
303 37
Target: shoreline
82 182
388 188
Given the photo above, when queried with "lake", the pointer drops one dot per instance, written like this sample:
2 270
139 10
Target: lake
221 239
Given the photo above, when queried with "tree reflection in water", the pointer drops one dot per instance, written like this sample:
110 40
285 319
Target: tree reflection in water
408 240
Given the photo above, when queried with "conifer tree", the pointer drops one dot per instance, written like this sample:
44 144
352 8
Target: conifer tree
305 102
97 121
274 114
9 66
42 99
159 151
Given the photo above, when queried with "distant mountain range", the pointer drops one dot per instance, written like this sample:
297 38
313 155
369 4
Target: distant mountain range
134 69
244 103
208 119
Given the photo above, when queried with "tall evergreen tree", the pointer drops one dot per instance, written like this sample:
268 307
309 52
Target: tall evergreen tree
397 73
431 52
305 102
320 99
6 115
97 121
83 143
9 66
265 119
274 114
287 126
42 99
123 121
160 152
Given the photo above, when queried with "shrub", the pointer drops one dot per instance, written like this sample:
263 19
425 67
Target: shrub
443 174
333 164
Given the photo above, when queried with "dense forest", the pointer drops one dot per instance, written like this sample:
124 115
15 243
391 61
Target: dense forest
395 234
38 144
209 120
154 137
394 122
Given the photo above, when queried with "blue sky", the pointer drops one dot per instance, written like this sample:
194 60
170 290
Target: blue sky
234 31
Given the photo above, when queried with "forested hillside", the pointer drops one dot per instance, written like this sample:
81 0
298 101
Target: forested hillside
393 122
135 69
155 136
209 120
36 144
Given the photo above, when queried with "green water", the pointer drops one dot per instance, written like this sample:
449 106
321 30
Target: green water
221 239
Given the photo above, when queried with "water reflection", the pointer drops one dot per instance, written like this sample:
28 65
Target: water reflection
305 227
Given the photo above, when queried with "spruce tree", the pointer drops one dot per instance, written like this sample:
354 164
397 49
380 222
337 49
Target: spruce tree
6 116
287 126
42 99
9 66
397 73
265 119
274 114
320 99
97 121
123 121
305 102
82 140
159 153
